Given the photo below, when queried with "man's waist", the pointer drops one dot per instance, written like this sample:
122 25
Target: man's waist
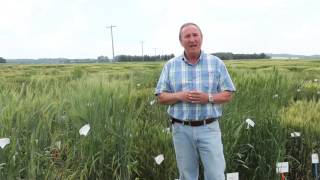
184 109
193 122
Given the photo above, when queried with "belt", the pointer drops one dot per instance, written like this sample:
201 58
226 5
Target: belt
193 123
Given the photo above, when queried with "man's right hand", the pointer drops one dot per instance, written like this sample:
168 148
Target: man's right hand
193 97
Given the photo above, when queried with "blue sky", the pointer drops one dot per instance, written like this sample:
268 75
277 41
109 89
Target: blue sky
77 28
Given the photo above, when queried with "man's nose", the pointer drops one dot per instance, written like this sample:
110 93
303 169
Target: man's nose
192 38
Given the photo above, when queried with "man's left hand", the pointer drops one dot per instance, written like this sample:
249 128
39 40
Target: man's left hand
196 97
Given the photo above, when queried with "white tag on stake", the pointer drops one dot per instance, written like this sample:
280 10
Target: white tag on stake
315 158
152 102
282 167
249 123
295 134
159 159
4 142
84 130
233 176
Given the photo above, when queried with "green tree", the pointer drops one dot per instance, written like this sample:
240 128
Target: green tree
2 60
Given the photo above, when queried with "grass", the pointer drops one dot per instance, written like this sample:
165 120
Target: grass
42 108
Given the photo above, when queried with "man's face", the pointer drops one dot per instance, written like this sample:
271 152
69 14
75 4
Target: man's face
191 39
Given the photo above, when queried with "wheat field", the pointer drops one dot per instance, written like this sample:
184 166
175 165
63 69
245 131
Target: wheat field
43 107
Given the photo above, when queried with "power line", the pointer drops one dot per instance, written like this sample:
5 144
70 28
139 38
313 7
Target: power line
112 40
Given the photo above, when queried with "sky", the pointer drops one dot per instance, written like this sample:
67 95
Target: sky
78 28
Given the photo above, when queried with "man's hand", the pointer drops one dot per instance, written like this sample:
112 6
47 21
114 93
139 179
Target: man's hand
193 97
196 97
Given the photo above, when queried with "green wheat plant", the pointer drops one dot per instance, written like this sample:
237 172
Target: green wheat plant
43 107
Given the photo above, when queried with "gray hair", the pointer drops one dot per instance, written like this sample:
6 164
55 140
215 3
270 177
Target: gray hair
189 24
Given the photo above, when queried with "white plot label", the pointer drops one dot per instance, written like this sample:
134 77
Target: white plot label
4 142
295 134
315 158
84 130
282 167
159 159
152 102
249 123
233 176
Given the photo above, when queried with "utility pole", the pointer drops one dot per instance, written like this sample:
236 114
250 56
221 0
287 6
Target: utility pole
142 50
112 40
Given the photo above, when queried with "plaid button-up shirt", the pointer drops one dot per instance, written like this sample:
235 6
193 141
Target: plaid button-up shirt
209 75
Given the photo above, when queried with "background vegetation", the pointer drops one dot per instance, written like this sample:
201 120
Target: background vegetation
2 60
42 108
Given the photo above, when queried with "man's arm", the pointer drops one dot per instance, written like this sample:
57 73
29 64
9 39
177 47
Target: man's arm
222 97
196 97
172 98
193 97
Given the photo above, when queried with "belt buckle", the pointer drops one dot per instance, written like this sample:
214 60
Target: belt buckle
185 123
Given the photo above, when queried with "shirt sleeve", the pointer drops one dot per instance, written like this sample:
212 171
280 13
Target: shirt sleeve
163 84
225 81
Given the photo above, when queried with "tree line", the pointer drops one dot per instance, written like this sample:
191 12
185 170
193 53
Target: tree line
2 60
128 58
147 58
229 56
221 55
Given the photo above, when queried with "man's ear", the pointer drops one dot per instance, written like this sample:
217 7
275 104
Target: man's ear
180 42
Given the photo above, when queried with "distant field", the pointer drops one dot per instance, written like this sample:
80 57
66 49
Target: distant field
42 108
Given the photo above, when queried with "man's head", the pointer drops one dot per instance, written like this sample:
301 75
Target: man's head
190 37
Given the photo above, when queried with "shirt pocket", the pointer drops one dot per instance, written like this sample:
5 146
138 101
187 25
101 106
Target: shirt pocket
210 82
182 86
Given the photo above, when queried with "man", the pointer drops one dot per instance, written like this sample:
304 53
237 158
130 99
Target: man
194 85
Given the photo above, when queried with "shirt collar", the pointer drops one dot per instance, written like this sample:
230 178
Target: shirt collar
186 60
